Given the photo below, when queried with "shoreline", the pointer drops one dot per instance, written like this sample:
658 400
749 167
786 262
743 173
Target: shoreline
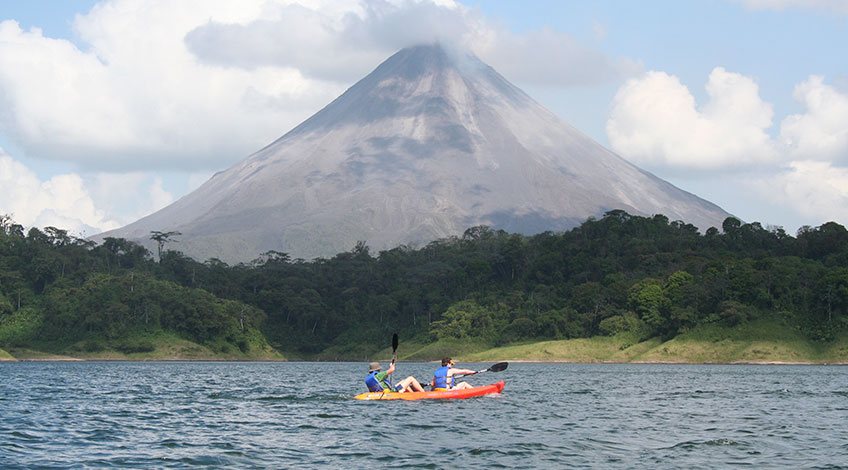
757 343
130 359
517 361
682 363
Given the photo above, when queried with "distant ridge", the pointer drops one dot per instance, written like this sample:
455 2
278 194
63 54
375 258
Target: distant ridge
428 144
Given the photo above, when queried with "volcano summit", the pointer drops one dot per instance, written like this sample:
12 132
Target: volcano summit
428 144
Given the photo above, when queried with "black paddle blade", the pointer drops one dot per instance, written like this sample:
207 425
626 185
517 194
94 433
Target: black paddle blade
500 366
394 347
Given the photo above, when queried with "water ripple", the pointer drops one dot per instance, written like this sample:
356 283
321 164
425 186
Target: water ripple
268 415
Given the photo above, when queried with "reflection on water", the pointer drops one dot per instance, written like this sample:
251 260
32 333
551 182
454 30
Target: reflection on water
287 414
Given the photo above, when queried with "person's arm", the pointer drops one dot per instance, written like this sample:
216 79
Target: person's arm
391 369
453 372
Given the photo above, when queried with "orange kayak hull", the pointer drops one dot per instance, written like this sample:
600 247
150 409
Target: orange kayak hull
445 395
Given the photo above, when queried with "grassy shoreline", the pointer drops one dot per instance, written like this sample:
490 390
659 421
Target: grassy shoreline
5 356
764 342
158 346
759 342
492 355
30 355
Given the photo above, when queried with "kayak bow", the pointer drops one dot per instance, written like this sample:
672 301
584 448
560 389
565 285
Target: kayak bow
444 395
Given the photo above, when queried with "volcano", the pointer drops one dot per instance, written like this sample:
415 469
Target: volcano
427 145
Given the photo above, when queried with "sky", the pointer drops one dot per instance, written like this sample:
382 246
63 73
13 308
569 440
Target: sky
113 109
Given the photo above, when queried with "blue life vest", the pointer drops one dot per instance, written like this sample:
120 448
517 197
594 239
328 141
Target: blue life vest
441 376
373 384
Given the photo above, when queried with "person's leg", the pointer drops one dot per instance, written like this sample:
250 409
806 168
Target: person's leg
410 384
415 385
463 386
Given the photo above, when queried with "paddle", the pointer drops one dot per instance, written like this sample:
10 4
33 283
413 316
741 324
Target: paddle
499 367
394 354
394 347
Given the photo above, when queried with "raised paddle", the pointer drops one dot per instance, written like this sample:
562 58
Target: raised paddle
394 347
394 354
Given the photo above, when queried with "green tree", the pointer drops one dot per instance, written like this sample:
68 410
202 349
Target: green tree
464 319
5 306
648 300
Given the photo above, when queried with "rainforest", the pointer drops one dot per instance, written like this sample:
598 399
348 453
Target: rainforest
616 288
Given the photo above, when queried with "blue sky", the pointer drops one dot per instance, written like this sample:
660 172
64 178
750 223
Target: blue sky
114 109
688 39
52 16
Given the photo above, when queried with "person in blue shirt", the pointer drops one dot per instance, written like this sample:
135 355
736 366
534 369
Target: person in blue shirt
444 377
378 381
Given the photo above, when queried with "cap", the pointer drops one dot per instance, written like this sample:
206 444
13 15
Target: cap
374 366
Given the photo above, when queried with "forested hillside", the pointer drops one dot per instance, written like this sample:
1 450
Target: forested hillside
648 276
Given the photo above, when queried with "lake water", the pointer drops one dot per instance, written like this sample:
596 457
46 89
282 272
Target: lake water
282 415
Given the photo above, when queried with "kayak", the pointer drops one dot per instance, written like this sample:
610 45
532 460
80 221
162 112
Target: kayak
443 395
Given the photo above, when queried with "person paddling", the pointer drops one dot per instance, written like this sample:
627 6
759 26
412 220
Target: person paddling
443 378
378 381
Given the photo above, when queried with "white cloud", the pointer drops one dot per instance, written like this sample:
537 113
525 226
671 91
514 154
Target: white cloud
356 37
130 196
551 58
816 190
61 201
821 133
159 197
838 6
83 205
195 85
362 36
135 97
655 121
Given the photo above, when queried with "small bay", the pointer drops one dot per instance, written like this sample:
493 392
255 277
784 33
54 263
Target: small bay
277 415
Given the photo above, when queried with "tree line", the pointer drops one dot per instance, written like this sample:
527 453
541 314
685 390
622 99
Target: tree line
612 274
